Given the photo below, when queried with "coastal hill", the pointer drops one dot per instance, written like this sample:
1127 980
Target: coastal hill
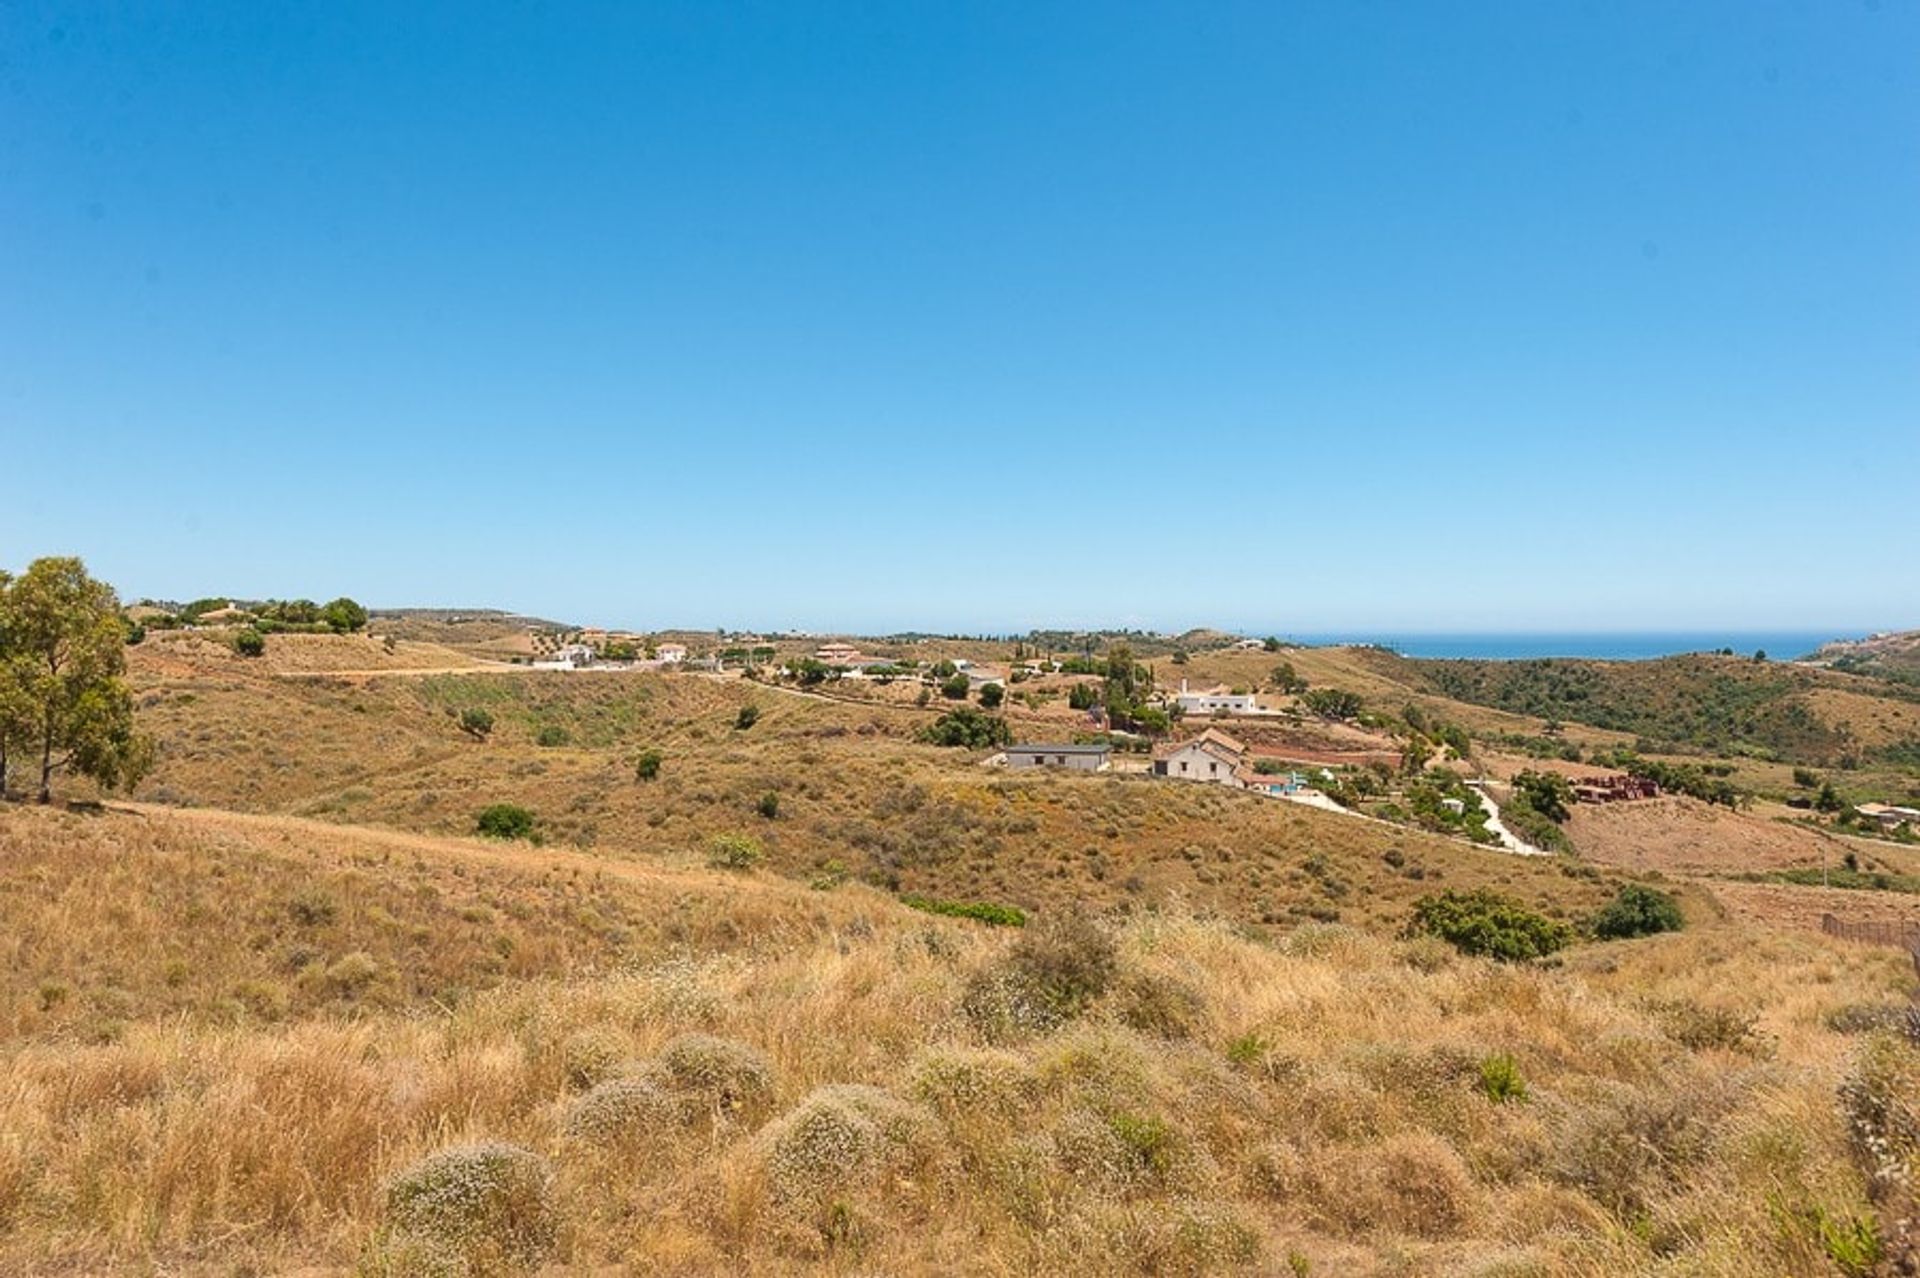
1895 654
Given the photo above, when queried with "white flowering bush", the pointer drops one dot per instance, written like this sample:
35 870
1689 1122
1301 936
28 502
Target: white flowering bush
841 1136
591 1055
718 1074
471 1209
979 1083
621 1110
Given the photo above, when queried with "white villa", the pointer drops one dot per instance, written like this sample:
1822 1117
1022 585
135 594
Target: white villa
1216 700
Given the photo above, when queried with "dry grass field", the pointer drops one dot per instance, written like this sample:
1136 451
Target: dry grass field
739 1074
285 1014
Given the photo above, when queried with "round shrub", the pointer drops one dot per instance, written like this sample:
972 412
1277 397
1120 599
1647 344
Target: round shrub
716 1073
591 1056
957 1081
505 821
734 851
840 1136
1487 923
619 1110
474 1207
1638 911
250 643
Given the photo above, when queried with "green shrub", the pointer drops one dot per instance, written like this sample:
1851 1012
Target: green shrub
475 1208
991 695
476 723
250 642
1637 910
748 716
979 911
1047 977
967 727
505 821
956 687
1548 793
1500 1079
647 766
768 806
1248 1050
734 851
552 734
1485 922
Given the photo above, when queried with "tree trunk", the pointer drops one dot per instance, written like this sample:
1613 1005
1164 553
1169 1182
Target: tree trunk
46 766
3 770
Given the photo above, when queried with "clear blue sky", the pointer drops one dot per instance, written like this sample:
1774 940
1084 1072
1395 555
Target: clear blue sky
1295 317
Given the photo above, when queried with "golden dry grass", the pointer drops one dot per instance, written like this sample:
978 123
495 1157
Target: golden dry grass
852 787
1225 1106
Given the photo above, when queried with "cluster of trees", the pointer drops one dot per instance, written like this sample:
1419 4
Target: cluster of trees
64 700
1333 703
1541 802
339 616
1676 704
969 728
1284 678
1493 924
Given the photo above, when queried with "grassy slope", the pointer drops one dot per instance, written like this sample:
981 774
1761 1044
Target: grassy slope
852 788
193 1128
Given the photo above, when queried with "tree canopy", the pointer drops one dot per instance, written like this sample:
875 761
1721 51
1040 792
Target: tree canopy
64 700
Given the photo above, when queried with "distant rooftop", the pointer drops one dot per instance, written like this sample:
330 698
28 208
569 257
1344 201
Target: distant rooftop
1031 747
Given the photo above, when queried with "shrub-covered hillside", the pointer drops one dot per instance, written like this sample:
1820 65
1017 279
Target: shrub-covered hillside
824 1080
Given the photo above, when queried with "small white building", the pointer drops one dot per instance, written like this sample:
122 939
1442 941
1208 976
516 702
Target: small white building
1217 700
670 653
1213 756
574 656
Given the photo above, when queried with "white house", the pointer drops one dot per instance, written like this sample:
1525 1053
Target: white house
670 652
1216 700
1213 756
575 656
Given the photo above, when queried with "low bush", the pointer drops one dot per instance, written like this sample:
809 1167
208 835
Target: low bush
1637 910
748 716
1485 922
1500 1080
734 851
718 1074
647 766
552 734
839 1137
1046 977
505 821
470 1209
620 1110
979 911
250 643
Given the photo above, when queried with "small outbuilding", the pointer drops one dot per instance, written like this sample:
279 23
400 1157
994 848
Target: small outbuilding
1074 758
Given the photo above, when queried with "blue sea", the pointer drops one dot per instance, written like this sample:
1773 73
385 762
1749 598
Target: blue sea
1779 645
